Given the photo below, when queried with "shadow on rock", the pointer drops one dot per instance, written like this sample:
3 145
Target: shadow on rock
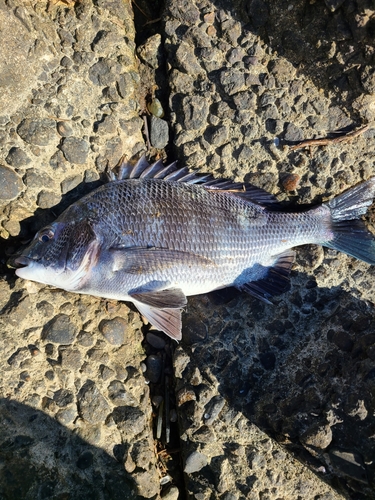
331 42
42 459
301 370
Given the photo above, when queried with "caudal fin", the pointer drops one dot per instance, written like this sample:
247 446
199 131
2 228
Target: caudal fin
349 233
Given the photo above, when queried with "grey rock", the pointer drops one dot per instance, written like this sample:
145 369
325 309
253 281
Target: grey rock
64 129
66 416
70 183
75 149
232 81
17 157
47 199
213 409
195 112
293 133
185 11
38 132
159 132
114 330
195 462
141 454
104 72
318 436
107 125
150 51
59 330
118 394
92 406
217 136
11 184
63 397
58 161
155 341
85 460
71 358
130 420
154 367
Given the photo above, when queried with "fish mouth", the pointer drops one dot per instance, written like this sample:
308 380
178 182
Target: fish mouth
19 262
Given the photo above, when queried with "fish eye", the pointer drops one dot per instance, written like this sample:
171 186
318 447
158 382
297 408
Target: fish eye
46 235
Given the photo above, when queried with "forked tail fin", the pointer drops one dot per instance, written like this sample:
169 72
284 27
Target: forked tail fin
350 234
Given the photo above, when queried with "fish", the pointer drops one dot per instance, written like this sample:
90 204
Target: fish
156 234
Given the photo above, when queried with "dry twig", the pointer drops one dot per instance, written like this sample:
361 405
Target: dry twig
334 140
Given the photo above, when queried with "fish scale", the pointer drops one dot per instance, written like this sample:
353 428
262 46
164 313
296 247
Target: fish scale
157 234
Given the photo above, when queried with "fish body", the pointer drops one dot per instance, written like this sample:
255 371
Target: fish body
155 235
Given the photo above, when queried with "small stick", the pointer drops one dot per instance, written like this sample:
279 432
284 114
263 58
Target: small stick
146 132
334 140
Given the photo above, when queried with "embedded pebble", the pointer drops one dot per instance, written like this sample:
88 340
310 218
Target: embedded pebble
159 132
155 341
37 132
92 406
17 157
75 149
114 330
11 184
154 368
195 462
59 330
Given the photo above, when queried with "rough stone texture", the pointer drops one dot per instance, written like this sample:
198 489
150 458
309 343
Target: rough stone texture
272 401
299 372
61 380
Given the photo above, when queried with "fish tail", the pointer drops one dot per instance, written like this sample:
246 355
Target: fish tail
350 234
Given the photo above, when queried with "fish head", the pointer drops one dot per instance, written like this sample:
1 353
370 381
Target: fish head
60 254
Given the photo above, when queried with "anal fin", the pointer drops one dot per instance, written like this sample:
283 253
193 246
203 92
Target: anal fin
275 280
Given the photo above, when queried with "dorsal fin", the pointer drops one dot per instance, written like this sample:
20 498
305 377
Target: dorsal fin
143 170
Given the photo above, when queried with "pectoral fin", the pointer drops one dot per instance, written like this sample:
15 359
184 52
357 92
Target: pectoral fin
166 320
170 298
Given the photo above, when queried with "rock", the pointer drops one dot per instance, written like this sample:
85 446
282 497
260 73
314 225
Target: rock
318 436
217 136
38 132
75 149
150 52
293 133
159 132
155 341
60 330
213 409
195 462
195 112
70 183
232 81
17 158
47 199
71 358
11 184
64 129
114 330
92 406
267 360
130 421
63 397
154 367
118 394
171 493
104 72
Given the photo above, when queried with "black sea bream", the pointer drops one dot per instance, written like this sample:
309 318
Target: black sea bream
156 234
